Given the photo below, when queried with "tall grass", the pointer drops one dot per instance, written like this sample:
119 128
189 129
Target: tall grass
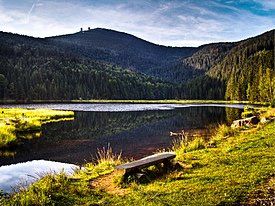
224 131
52 189
181 146
61 189
107 155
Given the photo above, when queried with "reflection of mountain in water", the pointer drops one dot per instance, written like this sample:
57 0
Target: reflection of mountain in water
134 133
91 125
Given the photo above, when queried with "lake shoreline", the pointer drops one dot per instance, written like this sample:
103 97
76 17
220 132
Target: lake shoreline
226 171
168 101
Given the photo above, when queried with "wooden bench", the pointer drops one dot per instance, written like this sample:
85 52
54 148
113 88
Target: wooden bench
136 166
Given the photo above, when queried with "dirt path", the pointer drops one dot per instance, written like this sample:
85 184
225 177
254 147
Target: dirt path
107 184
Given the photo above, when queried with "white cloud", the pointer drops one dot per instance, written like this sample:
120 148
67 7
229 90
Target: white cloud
169 23
4 18
267 4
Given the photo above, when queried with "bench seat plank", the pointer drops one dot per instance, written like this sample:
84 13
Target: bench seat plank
148 161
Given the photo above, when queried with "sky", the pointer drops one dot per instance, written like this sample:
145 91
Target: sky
165 22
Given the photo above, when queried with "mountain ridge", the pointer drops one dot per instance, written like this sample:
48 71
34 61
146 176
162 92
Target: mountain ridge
188 72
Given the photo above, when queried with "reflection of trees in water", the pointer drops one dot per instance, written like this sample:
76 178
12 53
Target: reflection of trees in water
135 133
232 114
96 124
90 125
201 117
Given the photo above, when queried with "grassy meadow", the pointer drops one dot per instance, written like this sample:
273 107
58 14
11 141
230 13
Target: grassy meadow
17 123
234 168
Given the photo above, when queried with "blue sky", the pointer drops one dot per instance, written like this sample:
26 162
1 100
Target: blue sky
172 23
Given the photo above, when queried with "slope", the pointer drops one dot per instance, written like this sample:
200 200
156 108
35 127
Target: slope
248 69
31 68
122 49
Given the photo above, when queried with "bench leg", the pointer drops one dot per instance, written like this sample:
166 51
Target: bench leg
129 173
167 165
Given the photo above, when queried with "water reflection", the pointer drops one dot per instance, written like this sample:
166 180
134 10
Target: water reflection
25 173
232 114
135 134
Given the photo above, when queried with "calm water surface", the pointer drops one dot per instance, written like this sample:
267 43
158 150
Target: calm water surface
135 130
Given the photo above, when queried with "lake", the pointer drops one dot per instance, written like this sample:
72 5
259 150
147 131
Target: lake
134 130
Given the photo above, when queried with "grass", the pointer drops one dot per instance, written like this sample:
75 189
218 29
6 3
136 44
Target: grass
227 174
7 134
180 146
61 189
16 123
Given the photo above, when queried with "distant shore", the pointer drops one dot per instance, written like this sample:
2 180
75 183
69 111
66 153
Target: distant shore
129 101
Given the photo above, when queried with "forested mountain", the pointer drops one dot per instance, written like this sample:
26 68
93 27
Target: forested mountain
197 65
207 56
31 68
106 64
249 70
122 49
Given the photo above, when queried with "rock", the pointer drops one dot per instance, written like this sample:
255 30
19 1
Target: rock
265 120
245 122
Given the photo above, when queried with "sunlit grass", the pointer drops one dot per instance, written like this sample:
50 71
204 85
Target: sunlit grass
181 146
63 189
7 134
14 121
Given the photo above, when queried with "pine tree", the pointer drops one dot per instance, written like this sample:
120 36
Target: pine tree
249 95
268 85
3 86
262 86
229 94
